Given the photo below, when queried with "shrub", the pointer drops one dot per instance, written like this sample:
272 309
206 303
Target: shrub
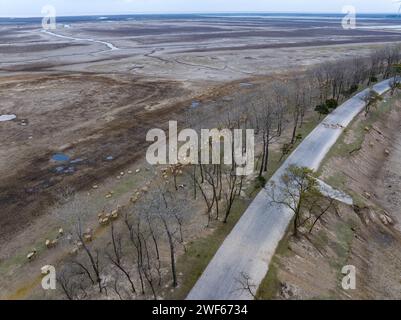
354 88
260 182
331 103
322 109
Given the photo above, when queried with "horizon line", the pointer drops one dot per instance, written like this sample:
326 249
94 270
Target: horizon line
191 12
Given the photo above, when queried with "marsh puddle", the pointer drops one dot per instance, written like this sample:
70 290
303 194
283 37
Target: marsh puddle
65 170
67 166
195 104
60 157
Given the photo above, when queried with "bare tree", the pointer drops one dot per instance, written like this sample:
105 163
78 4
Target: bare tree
279 99
92 254
266 115
73 281
375 64
360 71
296 107
212 178
318 210
245 284
209 201
154 236
166 211
232 191
170 238
392 56
115 287
147 267
322 75
67 284
136 239
116 257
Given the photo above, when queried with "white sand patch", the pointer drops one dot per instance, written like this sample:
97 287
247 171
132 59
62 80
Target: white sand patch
7 117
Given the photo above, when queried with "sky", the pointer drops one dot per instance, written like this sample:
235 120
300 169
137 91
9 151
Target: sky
31 8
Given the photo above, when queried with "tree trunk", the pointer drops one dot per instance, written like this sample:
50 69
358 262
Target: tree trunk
294 132
263 156
172 253
266 162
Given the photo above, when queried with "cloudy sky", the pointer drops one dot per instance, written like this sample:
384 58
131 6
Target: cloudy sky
24 8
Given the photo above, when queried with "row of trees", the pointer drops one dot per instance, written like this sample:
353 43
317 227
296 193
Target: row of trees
219 187
136 256
133 262
298 189
322 89
282 105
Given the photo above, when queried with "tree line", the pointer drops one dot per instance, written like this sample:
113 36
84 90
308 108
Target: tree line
140 256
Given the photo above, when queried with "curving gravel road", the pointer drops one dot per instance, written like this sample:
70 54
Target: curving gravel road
250 246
